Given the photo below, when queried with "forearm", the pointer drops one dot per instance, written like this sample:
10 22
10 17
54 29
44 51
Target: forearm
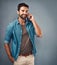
7 48
37 29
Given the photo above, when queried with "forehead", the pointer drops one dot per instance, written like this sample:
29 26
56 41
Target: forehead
24 8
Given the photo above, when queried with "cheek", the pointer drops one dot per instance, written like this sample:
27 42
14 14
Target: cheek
20 13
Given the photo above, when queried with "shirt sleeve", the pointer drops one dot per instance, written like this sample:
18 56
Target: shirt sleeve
8 34
34 31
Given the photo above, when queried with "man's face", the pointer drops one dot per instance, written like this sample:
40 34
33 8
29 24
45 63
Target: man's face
23 12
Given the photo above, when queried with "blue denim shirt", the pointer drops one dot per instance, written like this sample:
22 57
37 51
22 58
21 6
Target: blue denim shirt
14 34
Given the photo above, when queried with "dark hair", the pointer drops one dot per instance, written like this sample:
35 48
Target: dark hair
21 5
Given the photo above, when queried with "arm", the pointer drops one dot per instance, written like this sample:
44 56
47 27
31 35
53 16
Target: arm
7 40
7 48
37 28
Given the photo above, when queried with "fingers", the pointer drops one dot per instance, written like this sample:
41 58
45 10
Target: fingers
29 15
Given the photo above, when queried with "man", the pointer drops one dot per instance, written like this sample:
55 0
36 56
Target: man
22 32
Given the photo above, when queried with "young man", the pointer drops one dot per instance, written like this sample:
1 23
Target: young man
22 32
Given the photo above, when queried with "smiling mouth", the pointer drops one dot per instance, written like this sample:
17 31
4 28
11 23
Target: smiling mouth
25 15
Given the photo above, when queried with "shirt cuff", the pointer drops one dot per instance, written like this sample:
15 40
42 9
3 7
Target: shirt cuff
6 41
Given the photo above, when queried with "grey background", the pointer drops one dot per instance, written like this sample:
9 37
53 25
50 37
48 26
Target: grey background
45 13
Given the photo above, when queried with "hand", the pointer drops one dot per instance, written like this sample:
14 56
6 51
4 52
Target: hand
11 59
30 16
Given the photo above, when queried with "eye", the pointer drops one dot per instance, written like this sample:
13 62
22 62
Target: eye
27 11
22 10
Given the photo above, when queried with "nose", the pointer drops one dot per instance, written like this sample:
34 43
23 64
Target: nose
25 12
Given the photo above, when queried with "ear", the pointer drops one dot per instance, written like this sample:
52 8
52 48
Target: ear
17 12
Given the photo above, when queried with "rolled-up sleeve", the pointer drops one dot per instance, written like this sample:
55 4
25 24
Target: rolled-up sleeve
8 34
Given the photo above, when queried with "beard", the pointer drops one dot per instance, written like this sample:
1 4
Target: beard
23 16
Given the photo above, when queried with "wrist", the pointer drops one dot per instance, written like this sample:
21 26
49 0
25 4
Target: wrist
11 59
33 21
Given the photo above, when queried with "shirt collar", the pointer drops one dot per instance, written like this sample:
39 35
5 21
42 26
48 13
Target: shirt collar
25 21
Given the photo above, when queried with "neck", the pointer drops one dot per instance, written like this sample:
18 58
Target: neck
21 21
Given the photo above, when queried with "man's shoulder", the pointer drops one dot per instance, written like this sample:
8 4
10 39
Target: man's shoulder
12 24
